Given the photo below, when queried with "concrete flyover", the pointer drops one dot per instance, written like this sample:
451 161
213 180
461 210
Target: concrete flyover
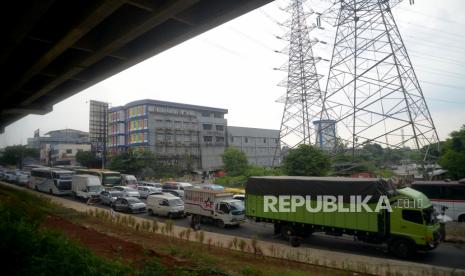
52 49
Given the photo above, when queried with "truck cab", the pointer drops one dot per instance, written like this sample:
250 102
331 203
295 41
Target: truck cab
86 186
413 223
229 212
213 206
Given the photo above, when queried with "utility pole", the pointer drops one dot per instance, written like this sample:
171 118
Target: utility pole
372 91
303 98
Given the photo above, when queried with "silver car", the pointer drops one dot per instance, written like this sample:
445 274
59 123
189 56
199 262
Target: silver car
130 205
10 177
150 184
22 178
127 191
145 191
108 197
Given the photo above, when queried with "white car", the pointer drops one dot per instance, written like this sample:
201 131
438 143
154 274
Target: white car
127 191
10 177
150 184
107 197
145 191
22 178
165 205
239 197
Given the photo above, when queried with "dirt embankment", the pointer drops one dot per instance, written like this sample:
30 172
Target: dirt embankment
107 246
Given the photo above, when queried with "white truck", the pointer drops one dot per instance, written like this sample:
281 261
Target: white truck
213 206
86 186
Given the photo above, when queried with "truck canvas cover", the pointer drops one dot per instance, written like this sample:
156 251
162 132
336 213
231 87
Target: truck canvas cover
319 186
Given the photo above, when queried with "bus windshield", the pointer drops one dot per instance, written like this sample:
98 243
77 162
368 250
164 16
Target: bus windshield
111 179
63 176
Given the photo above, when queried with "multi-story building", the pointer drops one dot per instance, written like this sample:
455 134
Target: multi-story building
176 133
60 146
259 145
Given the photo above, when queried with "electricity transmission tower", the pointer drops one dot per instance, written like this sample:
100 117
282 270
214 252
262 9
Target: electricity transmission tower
372 92
303 98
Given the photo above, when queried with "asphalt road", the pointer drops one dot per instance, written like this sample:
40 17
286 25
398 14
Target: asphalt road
447 254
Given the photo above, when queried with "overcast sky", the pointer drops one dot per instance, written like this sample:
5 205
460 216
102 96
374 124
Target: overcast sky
232 65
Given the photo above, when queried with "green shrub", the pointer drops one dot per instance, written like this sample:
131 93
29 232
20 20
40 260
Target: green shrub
34 251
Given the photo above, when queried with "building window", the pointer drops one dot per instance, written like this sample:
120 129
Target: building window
208 139
205 114
219 127
246 139
69 151
219 139
207 127
264 140
232 139
218 115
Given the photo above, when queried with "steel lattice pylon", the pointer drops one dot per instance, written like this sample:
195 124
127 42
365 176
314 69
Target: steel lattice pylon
303 99
372 92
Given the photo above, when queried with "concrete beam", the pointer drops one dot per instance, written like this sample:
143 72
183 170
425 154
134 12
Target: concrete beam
27 110
33 11
161 15
105 9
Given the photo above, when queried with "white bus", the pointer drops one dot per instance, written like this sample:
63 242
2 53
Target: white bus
51 180
450 194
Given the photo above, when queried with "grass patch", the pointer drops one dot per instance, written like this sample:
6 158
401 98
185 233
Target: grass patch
173 255
34 251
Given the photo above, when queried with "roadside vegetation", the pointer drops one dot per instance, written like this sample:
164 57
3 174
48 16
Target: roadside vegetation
42 238
31 250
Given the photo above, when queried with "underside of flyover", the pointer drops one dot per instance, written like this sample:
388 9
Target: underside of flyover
52 49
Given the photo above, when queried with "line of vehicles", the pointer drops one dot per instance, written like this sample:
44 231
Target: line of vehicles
122 192
405 230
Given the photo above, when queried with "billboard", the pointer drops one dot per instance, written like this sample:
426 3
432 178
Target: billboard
98 125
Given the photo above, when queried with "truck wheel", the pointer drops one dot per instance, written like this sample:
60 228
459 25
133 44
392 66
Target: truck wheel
287 232
402 248
150 212
50 191
170 215
295 241
277 228
461 218
220 223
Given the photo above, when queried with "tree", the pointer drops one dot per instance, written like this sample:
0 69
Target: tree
306 160
87 159
235 162
133 162
14 155
453 154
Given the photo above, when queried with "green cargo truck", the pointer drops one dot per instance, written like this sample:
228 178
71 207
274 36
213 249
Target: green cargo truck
404 219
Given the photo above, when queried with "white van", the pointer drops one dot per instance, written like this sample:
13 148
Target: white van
176 188
129 180
165 205
86 186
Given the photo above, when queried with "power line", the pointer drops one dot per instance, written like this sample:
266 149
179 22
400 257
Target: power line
444 85
435 17
456 36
